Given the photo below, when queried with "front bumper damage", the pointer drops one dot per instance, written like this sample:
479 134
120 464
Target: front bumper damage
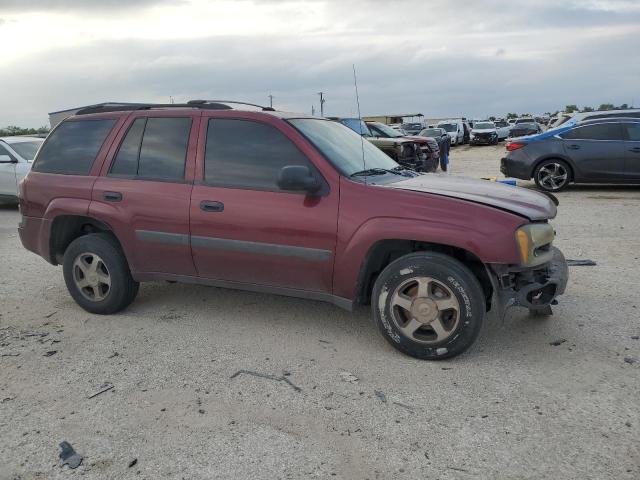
535 288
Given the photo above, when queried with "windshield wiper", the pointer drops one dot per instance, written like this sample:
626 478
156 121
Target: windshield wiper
373 171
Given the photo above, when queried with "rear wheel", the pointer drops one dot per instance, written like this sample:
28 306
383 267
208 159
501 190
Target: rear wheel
552 175
97 274
428 305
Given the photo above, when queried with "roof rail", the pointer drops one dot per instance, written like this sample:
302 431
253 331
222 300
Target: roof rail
148 106
210 102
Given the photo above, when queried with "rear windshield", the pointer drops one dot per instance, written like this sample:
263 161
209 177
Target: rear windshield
72 147
27 150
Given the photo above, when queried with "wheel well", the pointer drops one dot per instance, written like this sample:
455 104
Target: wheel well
66 228
386 251
563 160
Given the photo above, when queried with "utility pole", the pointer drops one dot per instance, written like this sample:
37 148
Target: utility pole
322 100
270 100
313 110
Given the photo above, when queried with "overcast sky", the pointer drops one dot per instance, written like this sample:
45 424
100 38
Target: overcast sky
440 58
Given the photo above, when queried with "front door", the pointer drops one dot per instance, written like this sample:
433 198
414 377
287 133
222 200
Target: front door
145 191
632 151
243 227
597 152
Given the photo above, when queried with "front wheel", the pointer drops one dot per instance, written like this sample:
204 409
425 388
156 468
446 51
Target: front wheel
97 274
552 175
428 305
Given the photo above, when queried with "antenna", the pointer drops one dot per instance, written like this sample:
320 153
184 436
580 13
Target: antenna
322 101
270 100
355 83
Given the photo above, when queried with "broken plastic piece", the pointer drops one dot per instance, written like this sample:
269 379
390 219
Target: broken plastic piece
68 455
581 263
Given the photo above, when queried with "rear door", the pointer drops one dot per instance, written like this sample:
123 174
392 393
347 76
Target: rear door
597 151
145 189
632 151
244 228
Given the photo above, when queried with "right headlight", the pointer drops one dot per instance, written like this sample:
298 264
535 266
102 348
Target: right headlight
534 243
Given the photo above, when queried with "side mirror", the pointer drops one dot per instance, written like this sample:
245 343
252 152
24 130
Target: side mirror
7 159
298 178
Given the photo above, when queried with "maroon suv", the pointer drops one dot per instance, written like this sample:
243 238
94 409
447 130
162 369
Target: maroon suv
287 204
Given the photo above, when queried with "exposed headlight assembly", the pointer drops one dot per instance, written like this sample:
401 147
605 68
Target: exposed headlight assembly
534 243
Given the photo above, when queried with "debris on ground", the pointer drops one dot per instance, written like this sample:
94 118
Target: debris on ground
68 455
113 355
50 353
104 388
381 396
560 341
10 355
581 263
49 315
635 337
630 360
133 462
407 407
268 377
348 377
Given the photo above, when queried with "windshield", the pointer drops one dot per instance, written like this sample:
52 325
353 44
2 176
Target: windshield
385 130
449 127
484 125
526 125
357 126
501 124
430 132
412 126
27 150
342 146
524 120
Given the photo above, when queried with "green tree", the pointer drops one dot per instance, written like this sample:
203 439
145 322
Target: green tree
12 130
587 109
512 115
492 118
571 108
606 106
624 106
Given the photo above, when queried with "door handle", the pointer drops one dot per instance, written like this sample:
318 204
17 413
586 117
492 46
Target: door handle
635 149
573 147
112 196
211 206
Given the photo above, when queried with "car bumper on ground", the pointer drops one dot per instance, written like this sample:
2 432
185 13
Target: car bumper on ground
535 288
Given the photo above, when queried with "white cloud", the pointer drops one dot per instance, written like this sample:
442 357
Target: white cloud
489 58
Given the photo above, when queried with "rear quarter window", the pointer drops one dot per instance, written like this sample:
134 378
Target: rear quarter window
73 146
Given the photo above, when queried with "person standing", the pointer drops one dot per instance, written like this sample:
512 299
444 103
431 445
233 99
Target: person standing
444 153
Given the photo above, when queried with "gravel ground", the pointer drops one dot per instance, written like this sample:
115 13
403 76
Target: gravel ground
534 398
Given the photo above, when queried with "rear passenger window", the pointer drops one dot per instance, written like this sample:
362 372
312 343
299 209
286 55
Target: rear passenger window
246 154
72 147
602 131
633 131
154 149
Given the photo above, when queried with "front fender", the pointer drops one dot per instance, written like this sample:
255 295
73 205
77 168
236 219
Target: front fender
480 240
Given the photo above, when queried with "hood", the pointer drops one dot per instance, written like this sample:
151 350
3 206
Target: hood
483 130
388 142
419 140
521 201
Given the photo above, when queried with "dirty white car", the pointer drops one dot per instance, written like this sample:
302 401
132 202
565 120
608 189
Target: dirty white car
16 155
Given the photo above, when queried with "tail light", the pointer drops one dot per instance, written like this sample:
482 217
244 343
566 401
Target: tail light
511 146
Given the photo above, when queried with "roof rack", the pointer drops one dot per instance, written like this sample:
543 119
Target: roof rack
212 102
202 104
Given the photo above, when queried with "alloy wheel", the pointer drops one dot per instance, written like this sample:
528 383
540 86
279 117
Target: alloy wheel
91 276
425 310
553 176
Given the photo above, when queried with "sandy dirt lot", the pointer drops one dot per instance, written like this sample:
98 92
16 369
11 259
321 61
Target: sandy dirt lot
534 398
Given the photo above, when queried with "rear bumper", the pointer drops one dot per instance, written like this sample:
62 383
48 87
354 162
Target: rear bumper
512 167
34 235
533 288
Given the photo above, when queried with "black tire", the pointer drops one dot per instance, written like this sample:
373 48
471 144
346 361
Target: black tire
446 273
563 169
122 289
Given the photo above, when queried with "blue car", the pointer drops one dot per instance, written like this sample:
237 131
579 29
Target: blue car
593 151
